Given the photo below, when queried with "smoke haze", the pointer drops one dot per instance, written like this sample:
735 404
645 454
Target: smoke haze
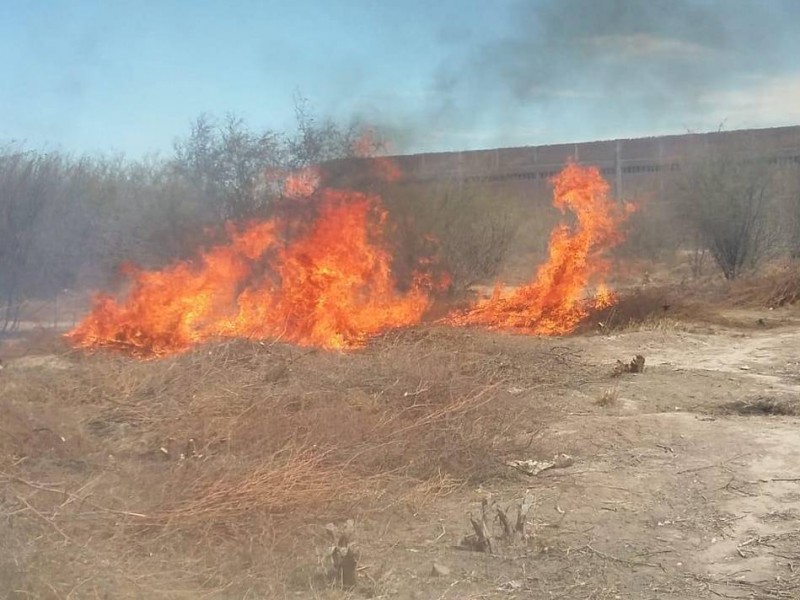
617 67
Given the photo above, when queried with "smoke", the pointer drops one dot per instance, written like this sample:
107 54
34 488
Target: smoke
614 66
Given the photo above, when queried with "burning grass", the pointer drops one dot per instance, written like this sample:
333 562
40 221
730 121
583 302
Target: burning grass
324 281
321 275
201 471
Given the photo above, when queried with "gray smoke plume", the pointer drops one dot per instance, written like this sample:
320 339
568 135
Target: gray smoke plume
621 65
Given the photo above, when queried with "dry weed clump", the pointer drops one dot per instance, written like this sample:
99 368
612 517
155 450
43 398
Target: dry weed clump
221 455
642 307
763 405
774 287
608 398
667 307
670 308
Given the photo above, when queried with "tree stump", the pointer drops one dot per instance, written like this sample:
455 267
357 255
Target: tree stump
345 554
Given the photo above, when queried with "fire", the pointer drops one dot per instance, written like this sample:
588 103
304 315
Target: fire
325 278
603 297
555 301
302 183
382 168
334 286
169 310
330 285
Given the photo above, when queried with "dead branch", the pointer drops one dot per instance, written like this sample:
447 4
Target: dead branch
525 506
482 540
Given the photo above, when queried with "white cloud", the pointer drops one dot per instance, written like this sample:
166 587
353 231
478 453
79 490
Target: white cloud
764 101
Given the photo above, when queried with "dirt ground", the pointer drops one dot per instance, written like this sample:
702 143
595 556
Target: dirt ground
685 486
683 482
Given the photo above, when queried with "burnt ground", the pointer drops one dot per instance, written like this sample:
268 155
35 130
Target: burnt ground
684 482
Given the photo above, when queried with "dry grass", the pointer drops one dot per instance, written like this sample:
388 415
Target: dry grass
704 301
608 398
199 474
775 286
205 474
651 307
763 405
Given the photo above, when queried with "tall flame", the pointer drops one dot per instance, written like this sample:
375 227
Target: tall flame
555 301
330 286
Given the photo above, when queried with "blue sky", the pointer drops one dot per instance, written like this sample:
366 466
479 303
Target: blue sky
124 76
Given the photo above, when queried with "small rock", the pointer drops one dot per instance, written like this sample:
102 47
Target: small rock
438 570
562 461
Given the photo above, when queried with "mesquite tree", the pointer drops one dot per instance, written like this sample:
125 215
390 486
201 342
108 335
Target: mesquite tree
725 199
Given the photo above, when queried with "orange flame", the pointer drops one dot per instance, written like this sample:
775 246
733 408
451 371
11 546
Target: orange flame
331 286
335 285
302 183
330 283
555 302
603 297
382 168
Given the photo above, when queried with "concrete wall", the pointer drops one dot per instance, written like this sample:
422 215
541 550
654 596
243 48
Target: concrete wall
633 166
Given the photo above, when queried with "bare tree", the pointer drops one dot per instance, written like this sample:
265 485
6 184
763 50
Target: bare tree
27 183
318 141
226 161
468 233
725 198
790 210
65 221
